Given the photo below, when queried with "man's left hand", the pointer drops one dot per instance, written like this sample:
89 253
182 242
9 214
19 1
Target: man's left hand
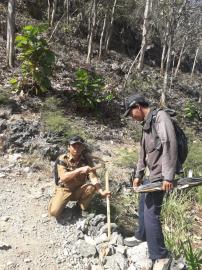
167 185
105 193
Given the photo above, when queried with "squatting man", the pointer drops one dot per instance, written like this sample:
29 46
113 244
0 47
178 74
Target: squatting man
72 171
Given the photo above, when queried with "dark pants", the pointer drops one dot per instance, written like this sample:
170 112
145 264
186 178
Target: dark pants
149 228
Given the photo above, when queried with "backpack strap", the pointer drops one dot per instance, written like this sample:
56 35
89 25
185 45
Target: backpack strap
57 162
158 144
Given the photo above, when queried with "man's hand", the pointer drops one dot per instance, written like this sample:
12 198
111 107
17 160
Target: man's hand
167 185
84 170
104 193
136 182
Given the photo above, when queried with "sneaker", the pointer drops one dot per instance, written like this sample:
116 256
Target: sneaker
162 264
132 241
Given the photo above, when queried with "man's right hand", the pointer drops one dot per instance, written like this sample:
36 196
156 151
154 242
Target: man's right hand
136 182
84 170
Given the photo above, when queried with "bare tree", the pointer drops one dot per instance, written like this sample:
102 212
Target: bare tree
109 31
54 8
163 54
49 12
66 7
10 33
170 30
91 30
148 9
172 25
194 63
180 56
102 35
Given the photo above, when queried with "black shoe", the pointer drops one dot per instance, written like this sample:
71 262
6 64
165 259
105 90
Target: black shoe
76 210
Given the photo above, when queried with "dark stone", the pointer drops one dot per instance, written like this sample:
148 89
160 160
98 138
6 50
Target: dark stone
3 125
51 152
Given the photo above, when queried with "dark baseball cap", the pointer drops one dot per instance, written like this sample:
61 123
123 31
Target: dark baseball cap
133 100
76 139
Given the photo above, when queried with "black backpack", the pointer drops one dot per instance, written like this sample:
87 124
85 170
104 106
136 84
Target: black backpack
182 142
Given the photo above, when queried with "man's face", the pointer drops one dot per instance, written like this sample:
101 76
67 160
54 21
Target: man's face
76 149
137 113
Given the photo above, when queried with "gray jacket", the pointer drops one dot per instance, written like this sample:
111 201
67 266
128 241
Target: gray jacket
158 148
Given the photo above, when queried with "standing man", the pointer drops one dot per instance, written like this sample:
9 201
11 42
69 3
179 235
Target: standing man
72 170
158 154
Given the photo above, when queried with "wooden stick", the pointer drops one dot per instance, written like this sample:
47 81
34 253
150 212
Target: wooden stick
97 167
108 205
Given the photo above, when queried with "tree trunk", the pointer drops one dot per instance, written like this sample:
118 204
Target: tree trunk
165 81
130 69
10 53
90 21
180 58
148 6
66 7
109 33
170 32
102 35
172 72
163 60
53 12
49 13
163 55
92 29
194 64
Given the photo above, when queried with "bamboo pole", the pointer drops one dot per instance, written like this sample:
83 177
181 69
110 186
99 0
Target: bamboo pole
108 205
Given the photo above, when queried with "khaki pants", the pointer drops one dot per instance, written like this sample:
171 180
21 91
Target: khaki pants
62 196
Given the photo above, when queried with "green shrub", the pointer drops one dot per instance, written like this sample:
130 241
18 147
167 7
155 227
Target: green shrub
90 89
193 257
191 111
176 220
126 157
199 195
36 61
194 159
124 211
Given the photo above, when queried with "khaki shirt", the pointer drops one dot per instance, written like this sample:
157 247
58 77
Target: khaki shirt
160 159
68 164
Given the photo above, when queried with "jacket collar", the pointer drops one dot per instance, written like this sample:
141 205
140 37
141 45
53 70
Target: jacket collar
148 120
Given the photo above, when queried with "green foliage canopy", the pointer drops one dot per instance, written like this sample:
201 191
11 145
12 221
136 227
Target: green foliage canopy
90 89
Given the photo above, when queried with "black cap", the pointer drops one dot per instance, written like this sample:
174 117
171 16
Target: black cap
76 139
133 100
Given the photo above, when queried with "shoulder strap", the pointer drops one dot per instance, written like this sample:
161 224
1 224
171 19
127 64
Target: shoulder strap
57 162
60 162
157 139
154 114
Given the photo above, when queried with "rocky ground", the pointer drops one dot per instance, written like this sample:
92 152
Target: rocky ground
29 238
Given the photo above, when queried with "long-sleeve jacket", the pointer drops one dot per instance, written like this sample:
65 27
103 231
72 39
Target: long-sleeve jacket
158 148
